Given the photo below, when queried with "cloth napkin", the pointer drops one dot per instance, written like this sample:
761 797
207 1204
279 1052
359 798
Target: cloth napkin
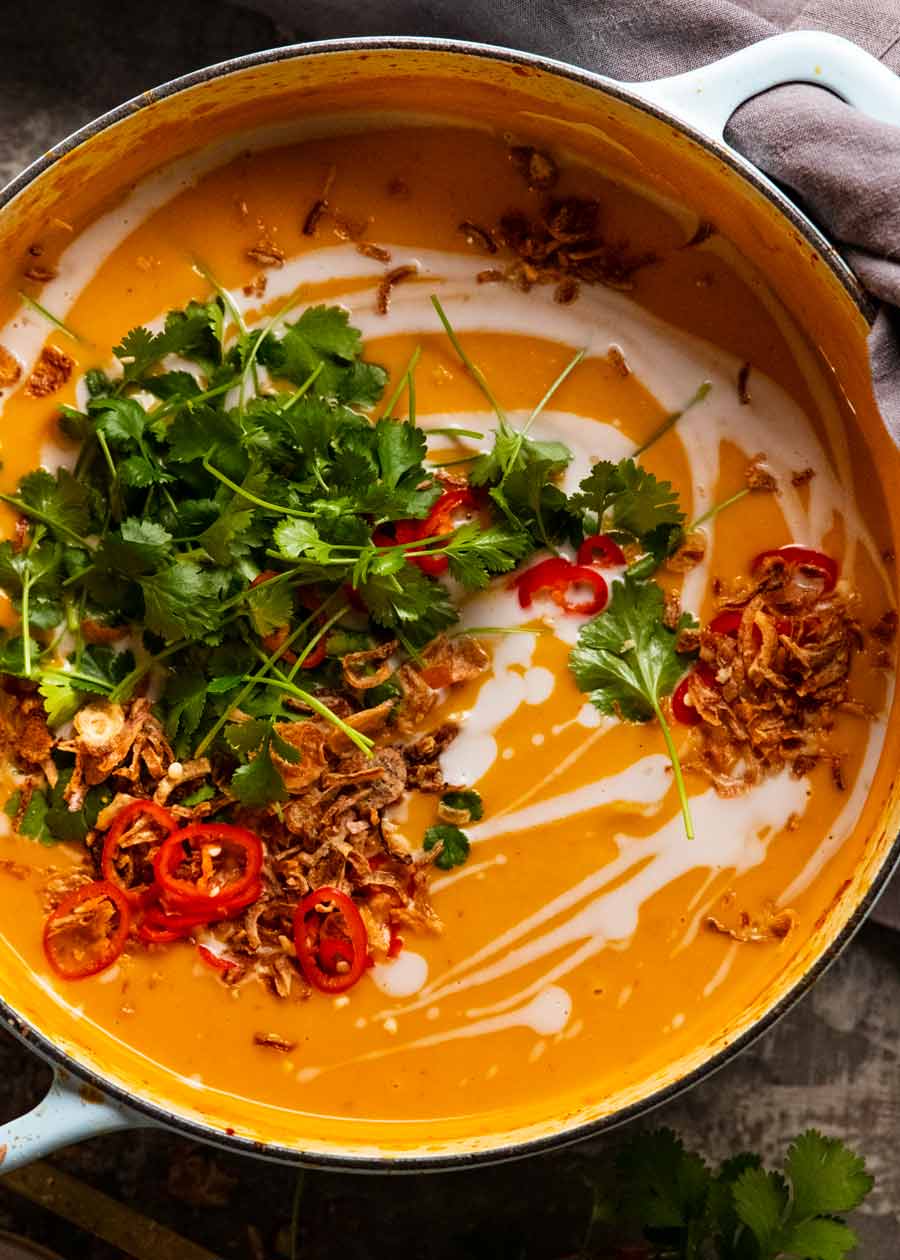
842 167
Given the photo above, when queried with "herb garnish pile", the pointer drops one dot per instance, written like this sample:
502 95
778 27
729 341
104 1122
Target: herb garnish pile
209 509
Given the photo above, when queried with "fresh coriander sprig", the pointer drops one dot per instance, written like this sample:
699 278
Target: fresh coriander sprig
627 659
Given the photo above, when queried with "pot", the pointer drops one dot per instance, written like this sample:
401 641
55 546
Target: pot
673 126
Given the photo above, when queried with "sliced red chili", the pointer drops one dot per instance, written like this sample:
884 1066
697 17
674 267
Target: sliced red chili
557 576
729 622
162 926
74 946
795 556
440 520
681 710
123 821
216 961
332 960
206 892
600 549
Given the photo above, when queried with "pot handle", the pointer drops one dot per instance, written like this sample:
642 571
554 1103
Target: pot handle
707 97
69 1112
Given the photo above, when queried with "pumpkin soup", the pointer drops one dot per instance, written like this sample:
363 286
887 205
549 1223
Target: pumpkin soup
442 636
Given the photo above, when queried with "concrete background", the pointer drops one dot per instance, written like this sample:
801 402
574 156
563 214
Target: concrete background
833 1062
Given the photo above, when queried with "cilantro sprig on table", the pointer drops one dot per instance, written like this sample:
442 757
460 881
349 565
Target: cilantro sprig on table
739 1211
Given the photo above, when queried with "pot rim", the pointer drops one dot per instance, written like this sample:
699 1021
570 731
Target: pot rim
401 1161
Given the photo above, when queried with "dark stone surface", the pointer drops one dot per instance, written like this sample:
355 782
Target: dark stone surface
833 1062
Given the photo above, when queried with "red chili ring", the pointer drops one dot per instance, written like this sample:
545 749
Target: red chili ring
115 943
795 555
120 824
185 896
556 575
610 553
357 939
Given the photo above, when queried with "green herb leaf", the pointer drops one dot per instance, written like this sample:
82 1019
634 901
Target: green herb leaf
33 822
826 1178
63 502
465 799
626 659
409 602
455 842
183 601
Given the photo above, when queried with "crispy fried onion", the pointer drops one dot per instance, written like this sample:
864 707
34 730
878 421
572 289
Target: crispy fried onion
334 829
767 696
771 924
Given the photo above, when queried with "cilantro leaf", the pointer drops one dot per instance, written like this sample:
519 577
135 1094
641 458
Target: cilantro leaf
401 448
63 502
33 822
61 700
136 547
626 659
465 799
328 330
819 1239
121 420
322 339
625 498
258 783
182 601
826 1178
476 554
271 606
414 605
761 1200
455 845
513 452
665 1186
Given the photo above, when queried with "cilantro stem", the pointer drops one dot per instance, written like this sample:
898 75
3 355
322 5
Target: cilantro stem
475 372
76 577
124 689
50 317
26 628
250 365
299 1187
454 431
268 663
476 630
405 379
672 420
676 768
73 675
252 498
356 737
230 304
37 515
302 389
115 498
452 463
716 509
570 367
163 408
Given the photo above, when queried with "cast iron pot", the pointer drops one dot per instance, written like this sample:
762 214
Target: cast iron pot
669 135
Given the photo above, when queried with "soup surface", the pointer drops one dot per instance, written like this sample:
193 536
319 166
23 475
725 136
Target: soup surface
586 941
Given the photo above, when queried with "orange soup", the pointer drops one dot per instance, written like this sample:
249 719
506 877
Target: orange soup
582 941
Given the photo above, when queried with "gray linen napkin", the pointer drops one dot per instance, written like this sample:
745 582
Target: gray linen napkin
841 166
